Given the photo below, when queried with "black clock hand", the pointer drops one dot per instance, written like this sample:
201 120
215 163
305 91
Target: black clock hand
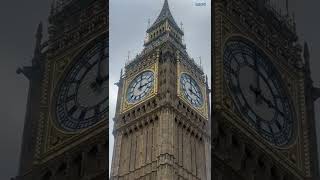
271 105
101 66
194 93
195 89
99 69
101 75
267 101
141 86
140 83
257 78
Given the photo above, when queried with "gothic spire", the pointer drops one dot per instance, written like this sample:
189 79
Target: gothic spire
165 14
306 57
39 36
306 53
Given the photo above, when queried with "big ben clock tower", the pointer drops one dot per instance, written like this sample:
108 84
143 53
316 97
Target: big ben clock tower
65 134
162 120
264 127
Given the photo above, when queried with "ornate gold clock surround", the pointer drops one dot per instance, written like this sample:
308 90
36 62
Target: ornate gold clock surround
126 106
202 110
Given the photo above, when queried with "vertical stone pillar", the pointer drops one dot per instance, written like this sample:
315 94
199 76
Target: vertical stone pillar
165 166
116 156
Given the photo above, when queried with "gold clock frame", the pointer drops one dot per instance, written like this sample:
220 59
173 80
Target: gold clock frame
68 61
58 69
125 105
202 110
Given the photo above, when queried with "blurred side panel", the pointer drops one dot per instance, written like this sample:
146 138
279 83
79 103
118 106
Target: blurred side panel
263 100
66 122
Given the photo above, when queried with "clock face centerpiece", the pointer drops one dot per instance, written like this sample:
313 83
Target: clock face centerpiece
258 91
82 95
191 90
140 86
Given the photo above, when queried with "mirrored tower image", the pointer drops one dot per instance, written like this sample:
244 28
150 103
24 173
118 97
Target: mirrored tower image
65 131
162 120
263 123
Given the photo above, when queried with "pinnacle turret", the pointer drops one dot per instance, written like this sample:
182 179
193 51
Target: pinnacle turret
306 56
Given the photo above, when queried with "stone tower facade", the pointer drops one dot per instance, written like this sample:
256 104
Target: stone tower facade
162 119
65 132
263 122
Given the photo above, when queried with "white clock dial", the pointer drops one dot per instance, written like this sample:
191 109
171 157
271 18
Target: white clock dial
140 87
191 90
82 98
258 91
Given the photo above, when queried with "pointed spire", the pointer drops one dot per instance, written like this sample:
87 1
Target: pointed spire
207 82
39 31
39 36
306 56
166 4
149 23
306 53
164 14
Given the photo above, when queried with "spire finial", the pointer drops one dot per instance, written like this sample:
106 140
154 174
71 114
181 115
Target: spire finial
306 56
166 3
39 29
166 7
38 39
165 14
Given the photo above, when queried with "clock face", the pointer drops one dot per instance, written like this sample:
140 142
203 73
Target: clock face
140 86
191 90
258 91
83 94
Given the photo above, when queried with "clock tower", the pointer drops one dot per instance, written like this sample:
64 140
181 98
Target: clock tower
162 119
65 132
263 122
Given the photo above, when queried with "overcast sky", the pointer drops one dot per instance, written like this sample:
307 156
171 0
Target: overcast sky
128 25
19 20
